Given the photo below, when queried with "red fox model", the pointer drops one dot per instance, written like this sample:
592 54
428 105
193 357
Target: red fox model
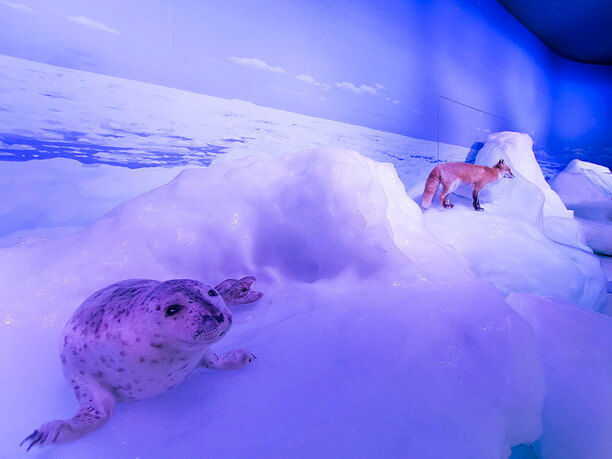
451 175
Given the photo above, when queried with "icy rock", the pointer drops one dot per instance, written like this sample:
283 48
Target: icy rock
516 150
574 347
597 234
580 191
577 166
586 188
372 338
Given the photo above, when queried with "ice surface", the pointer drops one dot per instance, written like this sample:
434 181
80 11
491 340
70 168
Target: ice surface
586 188
517 256
372 339
574 347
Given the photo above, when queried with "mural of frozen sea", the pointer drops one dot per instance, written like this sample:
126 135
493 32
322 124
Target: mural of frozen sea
48 112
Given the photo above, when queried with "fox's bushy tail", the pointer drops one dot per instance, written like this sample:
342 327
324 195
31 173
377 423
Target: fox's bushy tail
431 186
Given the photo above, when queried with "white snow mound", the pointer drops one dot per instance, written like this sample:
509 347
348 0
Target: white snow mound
574 347
517 256
586 189
516 150
55 197
373 338
516 243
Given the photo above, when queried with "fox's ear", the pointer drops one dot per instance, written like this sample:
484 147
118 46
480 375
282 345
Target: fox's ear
501 161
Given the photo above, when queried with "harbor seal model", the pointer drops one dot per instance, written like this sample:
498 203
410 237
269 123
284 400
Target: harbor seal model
138 338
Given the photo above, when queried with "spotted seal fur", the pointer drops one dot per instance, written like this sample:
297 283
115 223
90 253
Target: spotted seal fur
138 338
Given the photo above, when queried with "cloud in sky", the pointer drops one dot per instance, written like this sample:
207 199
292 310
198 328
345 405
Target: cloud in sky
363 89
257 64
17 6
349 87
87 22
368 89
344 85
307 79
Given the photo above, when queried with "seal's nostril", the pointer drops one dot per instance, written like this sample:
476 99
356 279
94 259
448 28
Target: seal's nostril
219 318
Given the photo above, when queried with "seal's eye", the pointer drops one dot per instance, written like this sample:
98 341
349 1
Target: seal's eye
173 309
211 292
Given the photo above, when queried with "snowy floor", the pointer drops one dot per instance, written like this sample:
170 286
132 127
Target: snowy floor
383 332
606 263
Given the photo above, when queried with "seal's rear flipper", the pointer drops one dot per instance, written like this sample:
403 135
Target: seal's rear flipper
96 404
239 291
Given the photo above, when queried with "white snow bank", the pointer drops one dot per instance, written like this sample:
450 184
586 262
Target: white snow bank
577 166
574 347
587 197
372 337
606 264
599 176
597 234
517 151
586 188
55 197
517 256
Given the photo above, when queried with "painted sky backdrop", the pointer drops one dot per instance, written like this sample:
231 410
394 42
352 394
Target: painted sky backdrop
320 58
448 70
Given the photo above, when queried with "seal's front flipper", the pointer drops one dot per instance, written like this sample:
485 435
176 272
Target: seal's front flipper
231 360
236 292
95 407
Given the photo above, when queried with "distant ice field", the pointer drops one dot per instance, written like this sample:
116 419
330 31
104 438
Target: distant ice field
53 112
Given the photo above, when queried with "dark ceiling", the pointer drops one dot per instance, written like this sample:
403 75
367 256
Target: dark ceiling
580 30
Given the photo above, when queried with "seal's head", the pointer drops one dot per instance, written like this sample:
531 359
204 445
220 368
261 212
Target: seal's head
188 311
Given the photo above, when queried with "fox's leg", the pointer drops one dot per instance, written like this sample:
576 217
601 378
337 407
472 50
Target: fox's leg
475 201
444 199
96 404
231 360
